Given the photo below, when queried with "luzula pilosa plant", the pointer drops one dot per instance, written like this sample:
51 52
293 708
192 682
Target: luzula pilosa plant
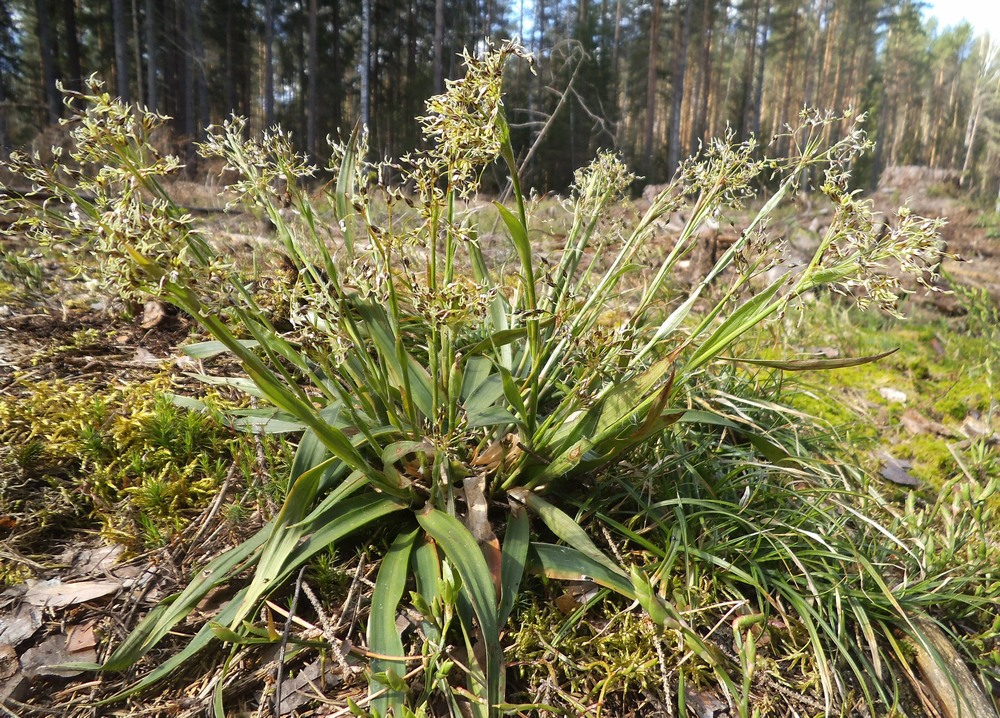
431 385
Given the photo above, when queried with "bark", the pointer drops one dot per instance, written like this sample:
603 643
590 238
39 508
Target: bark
810 70
616 49
300 58
654 51
229 61
49 92
718 98
338 94
791 61
704 83
152 56
677 102
198 66
74 68
945 671
268 63
759 86
137 43
187 84
438 47
120 30
312 71
746 106
366 56
990 53
3 113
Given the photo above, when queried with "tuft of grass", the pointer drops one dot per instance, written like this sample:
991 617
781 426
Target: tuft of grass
446 399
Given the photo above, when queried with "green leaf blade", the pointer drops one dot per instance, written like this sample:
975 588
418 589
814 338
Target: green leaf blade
383 637
464 553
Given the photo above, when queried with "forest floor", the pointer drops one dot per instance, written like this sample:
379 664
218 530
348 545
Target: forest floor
82 558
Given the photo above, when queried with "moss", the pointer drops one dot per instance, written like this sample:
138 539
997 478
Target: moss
970 393
125 458
933 463
597 660
944 367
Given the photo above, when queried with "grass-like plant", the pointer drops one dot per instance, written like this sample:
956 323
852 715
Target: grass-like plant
440 392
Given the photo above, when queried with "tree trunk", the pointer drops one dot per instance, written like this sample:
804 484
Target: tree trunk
312 95
810 82
49 92
677 101
187 85
198 65
616 51
654 51
718 98
229 62
152 56
990 52
3 109
301 59
759 85
438 47
703 81
137 42
337 101
74 68
268 63
366 58
746 105
120 30
791 60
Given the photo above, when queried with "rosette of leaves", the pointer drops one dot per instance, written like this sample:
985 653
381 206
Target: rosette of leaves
432 388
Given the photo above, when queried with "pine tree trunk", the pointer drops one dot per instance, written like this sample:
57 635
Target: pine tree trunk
746 105
152 56
366 58
700 129
337 101
677 102
137 43
200 80
187 85
268 63
654 51
791 60
121 48
438 47
74 67
616 51
312 98
49 92
3 114
759 84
